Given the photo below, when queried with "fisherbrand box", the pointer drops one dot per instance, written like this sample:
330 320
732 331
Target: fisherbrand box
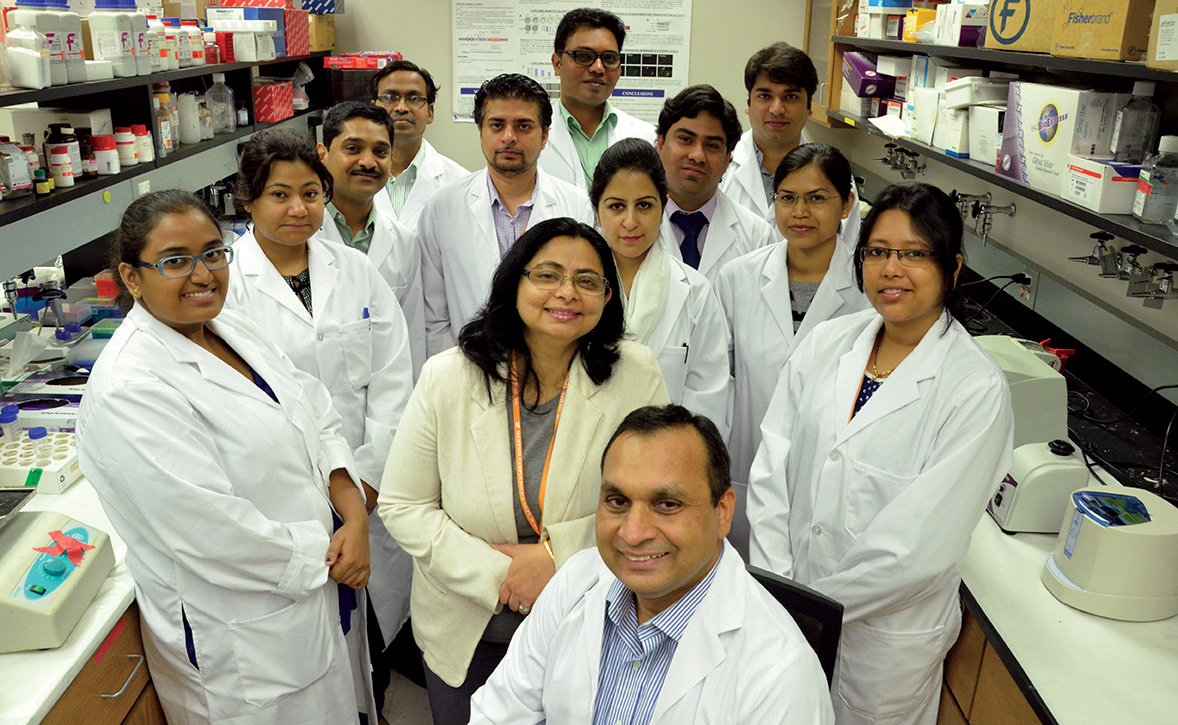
1024 25
1102 29
1045 124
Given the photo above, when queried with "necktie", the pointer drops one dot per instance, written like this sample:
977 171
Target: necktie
692 223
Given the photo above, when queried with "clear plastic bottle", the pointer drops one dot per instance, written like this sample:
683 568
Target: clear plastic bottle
163 128
9 423
36 14
212 52
220 100
1157 188
204 118
27 57
42 446
1136 129
112 33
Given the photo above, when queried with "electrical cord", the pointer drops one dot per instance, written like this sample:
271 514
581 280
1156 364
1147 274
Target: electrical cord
990 299
1020 278
1165 444
1081 396
1133 410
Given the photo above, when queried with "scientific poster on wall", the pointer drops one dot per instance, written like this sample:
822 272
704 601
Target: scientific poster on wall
516 36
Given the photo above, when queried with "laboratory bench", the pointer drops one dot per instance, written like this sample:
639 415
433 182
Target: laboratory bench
98 677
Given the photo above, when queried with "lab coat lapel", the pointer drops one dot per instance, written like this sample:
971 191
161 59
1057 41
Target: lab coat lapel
748 176
260 274
382 241
850 374
837 289
486 245
495 464
723 231
775 293
700 650
563 152
677 292
324 274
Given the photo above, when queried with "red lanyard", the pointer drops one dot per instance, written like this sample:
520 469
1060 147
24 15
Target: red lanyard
517 430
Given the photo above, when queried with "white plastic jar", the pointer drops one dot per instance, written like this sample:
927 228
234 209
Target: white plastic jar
112 37
144 146
105 154
125 145
142 48
71 35
196 40
184 50
60 167
169 55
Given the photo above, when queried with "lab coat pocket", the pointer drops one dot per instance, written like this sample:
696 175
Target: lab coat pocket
673 362
283 652
869 491
884 675
356 342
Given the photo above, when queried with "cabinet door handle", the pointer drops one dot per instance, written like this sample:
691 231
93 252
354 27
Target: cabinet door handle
822 96
138 664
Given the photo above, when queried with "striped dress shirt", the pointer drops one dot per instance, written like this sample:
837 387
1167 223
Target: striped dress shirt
634 659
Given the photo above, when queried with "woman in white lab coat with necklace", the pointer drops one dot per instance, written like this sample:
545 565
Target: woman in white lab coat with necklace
670 307
774 296
887 433
329 310
219 464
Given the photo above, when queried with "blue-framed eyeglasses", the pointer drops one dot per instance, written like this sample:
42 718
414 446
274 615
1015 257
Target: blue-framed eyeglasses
181 265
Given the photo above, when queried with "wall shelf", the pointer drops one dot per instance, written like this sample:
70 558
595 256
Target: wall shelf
1155 237
1031 61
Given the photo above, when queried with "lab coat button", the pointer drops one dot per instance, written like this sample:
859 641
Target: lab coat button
319 337
817 530
834 456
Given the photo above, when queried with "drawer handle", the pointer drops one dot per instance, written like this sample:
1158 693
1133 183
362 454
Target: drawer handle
138 664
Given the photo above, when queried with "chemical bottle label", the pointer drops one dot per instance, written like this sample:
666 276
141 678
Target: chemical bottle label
73 46
56 52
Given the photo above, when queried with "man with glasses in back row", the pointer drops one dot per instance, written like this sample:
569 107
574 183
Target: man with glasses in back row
588 60
407 92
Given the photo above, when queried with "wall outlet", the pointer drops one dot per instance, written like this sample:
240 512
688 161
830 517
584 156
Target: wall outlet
1026 292
143 188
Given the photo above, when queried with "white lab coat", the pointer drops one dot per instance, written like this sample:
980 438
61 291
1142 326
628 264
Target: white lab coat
690 344
363 361
559 158
754 290
732 232
878 512
395 255
221 497
460 251
434 172
742 184
741 658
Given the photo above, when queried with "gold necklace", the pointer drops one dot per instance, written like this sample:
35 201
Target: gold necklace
875 373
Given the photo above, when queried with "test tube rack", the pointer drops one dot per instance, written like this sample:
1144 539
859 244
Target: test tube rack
20 467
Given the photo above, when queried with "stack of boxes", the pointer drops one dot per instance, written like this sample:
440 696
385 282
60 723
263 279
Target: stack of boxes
301 30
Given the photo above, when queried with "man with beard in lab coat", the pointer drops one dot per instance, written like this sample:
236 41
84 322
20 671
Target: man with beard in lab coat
661 623
588 60
469 224
701 226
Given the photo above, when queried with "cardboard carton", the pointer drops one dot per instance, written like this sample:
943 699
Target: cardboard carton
1023 25
1102 29
1101 184
985 132
1163 37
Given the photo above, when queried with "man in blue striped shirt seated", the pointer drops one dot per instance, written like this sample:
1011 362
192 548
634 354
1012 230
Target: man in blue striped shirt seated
661 623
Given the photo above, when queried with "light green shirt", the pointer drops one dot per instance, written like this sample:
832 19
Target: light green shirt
400 186
590 150
363 239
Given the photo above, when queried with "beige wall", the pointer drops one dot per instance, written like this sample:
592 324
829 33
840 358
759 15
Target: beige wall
724 33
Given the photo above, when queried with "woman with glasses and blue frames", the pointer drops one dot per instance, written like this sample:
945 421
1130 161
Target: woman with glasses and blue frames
887 434
219 464
326 306
670 307
494 474
773 297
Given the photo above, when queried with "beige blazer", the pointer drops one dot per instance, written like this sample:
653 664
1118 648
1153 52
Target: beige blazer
447 493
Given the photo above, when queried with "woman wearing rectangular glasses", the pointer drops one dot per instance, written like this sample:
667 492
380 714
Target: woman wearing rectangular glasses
887 433
326 306
494 474
219 464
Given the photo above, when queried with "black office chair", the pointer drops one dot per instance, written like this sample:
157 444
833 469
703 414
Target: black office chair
818 616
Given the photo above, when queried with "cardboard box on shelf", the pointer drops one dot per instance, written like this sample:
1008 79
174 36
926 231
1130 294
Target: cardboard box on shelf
1163 36
960 23
1045 124
1022 26
985 132
865 107
894 65
320 7
321 32
361 61
185 9
921 111
1101 184
241 12
273 100
951 134
860 74
1102 29
922 72
15 121
297 32
916 19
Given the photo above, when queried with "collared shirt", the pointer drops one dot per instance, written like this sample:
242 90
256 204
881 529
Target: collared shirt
708 209
635 659
590 150
363 239
399 187
508 228
766 175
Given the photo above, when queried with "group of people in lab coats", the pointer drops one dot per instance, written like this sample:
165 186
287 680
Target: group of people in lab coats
268 436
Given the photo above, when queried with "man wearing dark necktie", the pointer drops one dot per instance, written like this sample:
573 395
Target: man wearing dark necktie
697 131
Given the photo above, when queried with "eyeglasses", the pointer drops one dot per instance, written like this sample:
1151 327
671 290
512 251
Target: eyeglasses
587 282
785 198
182 265
908 257
583 56
393 99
